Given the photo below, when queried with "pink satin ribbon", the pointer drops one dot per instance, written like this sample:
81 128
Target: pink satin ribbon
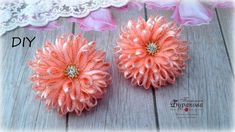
185 12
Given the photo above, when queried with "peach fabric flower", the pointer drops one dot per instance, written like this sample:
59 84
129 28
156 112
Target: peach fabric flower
151 53
71 75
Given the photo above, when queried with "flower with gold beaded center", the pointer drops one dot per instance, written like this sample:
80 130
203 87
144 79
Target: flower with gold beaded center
150 52
70 75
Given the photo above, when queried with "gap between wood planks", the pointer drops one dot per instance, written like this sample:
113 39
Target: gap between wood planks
225 44
67 115
153 90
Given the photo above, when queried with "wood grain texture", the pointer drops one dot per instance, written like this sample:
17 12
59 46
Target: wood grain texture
124 106
20 108
227 20
208 78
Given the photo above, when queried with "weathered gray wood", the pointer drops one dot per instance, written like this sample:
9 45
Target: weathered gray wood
20 109
226 19
124 106
208 78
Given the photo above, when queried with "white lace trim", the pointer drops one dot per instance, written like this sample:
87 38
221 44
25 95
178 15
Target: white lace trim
40 12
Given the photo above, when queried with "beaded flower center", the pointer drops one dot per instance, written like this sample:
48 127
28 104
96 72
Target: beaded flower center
152 48
71 71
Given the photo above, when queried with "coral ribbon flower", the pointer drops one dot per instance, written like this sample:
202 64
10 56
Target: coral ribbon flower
151 53
70 75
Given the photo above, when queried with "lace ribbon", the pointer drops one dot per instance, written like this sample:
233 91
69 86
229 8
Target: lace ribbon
41 12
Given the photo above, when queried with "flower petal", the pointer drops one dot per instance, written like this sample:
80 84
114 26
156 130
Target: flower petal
192 13
98 20
161 4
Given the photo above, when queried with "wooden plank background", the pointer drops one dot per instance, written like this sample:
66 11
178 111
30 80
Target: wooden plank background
208 77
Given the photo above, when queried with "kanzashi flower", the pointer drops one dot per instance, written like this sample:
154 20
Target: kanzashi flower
151 53
71 75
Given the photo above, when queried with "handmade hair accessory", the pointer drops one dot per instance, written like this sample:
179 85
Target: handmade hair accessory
151 53
70 75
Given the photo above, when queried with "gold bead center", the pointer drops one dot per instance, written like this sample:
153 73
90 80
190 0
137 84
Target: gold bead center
71 71
152 48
